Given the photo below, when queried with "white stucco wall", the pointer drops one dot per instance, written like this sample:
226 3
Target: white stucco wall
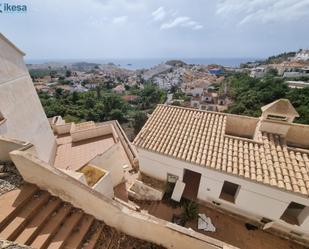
8 145
113 161
104 185
20 105
253 200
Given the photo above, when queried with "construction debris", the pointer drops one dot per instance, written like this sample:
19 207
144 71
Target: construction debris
9 177
204 223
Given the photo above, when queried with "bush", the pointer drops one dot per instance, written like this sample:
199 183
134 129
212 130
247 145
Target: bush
139 119
190 211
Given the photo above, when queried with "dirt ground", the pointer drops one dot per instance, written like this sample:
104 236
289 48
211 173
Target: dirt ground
233 231
229 229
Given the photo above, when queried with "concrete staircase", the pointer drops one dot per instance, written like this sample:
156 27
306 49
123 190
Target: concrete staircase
33 217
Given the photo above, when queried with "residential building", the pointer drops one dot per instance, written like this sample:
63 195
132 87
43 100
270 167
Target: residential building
258 72
300 72
302 55
120 89
297 84
216 71
255 167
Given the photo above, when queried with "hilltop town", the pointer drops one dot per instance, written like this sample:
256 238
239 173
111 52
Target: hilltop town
79 91
192 176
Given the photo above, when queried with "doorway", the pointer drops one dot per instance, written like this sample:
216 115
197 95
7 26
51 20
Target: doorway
192 180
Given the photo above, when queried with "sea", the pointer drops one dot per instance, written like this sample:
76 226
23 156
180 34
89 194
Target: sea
134 64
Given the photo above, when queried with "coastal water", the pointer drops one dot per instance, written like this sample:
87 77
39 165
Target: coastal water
148 63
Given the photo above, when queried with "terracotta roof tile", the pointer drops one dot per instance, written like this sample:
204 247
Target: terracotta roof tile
199 137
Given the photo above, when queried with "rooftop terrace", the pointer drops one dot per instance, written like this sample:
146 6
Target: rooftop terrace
73 155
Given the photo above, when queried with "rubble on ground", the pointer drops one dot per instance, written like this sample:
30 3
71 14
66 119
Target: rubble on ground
9 177
5 244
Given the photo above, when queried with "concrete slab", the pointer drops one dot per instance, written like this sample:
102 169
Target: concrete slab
178 190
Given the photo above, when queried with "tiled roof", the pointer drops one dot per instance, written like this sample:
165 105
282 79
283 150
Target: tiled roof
199 137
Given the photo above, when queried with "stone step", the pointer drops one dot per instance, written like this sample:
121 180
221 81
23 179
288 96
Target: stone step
61 236
34 226
12 230
93 240
78 235
51 227
13 201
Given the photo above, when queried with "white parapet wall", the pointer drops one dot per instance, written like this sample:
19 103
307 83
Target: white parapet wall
141 191
91 133
139 225
113 161
62 128
105 186
7 145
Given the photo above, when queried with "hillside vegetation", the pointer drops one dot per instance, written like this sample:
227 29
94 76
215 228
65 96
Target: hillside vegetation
250 94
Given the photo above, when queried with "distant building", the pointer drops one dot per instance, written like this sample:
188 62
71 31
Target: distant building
303 55
299 72
258 72
194 91
297 84
129 98
120 89
216 71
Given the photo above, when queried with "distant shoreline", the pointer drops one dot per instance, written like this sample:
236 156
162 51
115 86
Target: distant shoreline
148 63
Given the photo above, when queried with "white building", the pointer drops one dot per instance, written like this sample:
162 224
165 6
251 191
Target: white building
258 72
19 108
297 84
256 167
303 55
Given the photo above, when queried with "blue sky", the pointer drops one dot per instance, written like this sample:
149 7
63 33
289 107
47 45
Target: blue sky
74 29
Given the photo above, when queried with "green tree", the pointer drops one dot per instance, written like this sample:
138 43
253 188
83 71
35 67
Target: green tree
151 95
89 103
138 120
190 211
117 114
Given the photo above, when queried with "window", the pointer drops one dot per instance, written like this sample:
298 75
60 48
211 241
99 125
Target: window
229 191
295 213
172 178
275 117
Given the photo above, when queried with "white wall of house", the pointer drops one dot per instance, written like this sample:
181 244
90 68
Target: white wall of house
195 104
253 200
20 105
196 91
